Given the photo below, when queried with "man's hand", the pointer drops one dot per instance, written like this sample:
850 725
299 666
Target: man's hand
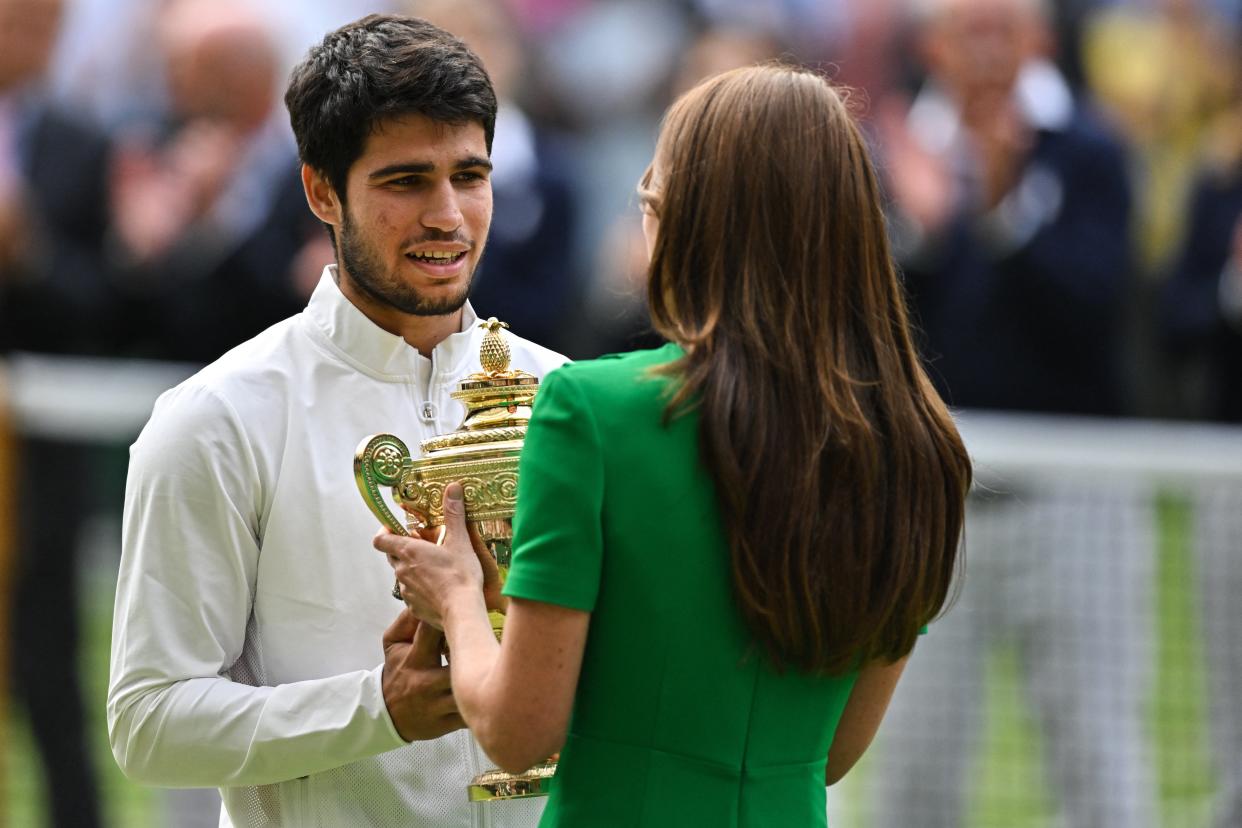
416 686
150 207
921 182
1002 141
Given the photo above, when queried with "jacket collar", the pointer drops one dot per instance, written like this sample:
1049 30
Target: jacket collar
375 350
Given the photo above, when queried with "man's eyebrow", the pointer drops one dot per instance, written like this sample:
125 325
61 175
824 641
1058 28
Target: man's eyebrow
426 167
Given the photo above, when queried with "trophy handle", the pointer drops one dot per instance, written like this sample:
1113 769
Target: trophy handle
379 461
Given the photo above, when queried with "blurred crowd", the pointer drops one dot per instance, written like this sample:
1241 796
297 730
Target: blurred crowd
1064 182
1065 177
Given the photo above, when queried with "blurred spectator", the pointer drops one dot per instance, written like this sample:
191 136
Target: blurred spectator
719 48
1012 210
1202 307
211 208
808 26
1068 19
870 57
53 297
105 67
609 62
1162 71
1202 298
528 276
1012 218
53 293
605 72
541 16
616 305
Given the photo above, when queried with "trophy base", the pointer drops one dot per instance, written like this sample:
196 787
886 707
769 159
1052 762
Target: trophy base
497 784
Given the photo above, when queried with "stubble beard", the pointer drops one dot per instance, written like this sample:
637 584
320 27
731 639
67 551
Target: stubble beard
363 266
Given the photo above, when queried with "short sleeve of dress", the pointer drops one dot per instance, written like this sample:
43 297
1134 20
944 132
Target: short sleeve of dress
557 536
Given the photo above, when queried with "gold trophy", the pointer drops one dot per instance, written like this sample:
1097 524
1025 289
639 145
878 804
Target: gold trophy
482 454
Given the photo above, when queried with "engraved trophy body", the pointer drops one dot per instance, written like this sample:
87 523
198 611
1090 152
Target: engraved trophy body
482 454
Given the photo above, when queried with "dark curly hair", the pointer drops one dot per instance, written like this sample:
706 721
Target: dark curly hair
380 67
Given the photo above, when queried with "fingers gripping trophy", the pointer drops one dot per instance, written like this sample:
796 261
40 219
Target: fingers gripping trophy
482 454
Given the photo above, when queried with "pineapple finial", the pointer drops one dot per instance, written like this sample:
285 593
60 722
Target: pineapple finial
494 352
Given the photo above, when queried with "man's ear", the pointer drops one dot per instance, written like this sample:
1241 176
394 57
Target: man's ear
322 197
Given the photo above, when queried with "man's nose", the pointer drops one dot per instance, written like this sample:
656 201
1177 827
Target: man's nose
442 211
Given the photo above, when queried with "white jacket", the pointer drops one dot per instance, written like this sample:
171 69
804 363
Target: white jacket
246 648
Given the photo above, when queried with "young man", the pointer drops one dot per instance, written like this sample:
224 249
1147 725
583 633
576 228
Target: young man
251 607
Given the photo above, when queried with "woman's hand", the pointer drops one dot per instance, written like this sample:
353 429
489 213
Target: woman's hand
430 574
492 582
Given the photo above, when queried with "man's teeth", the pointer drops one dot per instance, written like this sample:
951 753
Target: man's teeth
437 256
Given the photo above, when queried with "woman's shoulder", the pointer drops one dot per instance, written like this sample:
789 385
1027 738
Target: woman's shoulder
612 370
622 384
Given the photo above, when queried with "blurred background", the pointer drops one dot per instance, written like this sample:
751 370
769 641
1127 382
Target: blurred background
1064 188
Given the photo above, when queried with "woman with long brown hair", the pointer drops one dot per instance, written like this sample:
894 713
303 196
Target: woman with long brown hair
724 548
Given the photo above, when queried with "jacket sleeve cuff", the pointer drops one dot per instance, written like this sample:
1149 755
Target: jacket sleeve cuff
374 689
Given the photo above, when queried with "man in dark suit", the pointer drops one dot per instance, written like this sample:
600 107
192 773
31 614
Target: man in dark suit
1011 215
1018 268
210 215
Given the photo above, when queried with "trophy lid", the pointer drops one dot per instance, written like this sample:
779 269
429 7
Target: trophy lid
498 399
494 356
482 454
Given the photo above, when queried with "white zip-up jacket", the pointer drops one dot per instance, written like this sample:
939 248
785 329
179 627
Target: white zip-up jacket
246 645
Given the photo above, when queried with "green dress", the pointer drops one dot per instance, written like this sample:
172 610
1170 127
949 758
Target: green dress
678 719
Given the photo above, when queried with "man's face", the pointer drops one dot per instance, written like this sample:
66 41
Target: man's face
416 215
977 46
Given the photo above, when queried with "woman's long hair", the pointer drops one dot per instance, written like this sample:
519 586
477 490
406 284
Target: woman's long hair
840 474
